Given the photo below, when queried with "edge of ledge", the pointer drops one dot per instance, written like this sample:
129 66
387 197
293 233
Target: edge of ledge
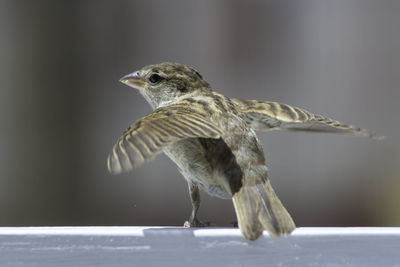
139 231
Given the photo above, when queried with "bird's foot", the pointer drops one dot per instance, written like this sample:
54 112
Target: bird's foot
196 223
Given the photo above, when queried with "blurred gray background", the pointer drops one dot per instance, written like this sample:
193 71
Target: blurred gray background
62 107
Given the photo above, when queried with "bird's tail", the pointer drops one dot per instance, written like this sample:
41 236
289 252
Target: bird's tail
258 208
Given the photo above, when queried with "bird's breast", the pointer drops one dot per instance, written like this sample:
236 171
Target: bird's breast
195 163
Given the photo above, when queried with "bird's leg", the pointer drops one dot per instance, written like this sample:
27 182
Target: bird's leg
195 199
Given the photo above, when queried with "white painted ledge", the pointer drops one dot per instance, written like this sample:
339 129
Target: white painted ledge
177 246
197 232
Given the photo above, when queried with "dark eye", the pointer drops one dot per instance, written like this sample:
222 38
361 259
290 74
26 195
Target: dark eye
155 78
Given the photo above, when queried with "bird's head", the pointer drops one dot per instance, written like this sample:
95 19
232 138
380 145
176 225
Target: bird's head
165 82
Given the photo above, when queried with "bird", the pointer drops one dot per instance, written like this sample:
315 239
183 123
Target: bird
212 140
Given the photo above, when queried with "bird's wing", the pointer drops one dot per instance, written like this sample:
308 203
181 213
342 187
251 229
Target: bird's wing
148 136
265 116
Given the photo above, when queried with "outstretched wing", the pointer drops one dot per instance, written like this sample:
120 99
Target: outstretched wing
265 116
151 134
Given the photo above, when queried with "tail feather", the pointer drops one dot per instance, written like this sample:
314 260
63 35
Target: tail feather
258 208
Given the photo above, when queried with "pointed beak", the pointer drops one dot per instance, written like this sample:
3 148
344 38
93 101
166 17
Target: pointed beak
134 80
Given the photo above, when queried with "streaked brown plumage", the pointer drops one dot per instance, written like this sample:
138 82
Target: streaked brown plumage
211 139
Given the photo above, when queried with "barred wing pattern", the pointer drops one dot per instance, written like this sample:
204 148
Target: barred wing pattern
265 115
151 134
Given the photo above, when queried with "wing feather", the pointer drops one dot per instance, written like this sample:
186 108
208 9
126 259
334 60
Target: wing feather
151 134
265 116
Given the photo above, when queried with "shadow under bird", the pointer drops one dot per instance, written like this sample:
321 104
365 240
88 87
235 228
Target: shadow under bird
211 139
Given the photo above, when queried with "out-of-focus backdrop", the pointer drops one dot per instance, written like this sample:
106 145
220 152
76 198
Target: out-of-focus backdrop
62 107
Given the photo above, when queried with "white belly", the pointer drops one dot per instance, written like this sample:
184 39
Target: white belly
188 155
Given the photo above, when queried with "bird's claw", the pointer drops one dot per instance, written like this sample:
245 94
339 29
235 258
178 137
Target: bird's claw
196 223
